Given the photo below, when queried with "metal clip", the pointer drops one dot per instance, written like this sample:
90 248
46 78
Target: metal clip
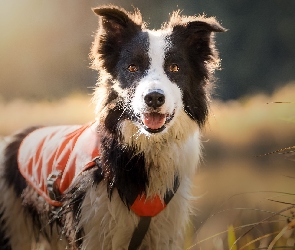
52 188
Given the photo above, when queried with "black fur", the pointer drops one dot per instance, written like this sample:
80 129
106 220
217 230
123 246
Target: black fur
117 29
12 175
112 96
4 240
69 214
133 53
192 48
113 118
123 168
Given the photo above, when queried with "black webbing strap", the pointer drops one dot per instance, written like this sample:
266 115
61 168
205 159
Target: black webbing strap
139 232
144 221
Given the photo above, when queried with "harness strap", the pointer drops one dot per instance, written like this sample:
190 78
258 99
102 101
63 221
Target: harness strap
144 208
139 232
147 209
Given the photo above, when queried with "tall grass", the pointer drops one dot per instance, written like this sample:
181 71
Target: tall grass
244 198
248 199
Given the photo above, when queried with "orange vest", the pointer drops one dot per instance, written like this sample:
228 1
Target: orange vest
64 152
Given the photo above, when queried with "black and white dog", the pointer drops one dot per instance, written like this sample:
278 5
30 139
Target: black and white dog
123 181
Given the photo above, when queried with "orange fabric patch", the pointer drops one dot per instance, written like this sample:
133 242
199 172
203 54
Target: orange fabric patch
66 149
147 207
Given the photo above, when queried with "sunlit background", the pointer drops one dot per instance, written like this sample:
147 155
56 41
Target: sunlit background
45 79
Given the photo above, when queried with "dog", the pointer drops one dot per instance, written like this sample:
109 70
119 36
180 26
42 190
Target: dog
123 181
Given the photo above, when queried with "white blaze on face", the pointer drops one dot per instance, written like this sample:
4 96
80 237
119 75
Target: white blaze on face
156 79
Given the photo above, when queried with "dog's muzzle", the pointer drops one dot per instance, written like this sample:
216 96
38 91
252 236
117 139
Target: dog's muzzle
154 121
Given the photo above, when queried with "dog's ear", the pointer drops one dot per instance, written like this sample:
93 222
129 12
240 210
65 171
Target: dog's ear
118 23
199 32
207 25
196 34
116 27
196 30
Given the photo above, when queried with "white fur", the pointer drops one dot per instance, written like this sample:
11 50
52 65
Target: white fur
157 79
109 225
175 151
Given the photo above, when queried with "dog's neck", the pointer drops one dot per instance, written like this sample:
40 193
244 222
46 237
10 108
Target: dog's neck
139 164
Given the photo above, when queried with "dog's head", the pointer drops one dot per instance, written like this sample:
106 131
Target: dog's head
151 78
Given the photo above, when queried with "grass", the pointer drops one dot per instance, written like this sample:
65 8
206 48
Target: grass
245 199
247 178
241 237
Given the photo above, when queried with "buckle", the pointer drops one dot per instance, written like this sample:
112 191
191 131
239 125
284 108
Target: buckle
52 188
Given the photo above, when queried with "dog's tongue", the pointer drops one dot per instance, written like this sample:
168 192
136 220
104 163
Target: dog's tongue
154 120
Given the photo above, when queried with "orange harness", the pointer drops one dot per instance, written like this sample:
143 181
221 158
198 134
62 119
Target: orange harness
52 157
60 152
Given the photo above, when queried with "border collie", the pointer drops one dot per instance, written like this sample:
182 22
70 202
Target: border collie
123 181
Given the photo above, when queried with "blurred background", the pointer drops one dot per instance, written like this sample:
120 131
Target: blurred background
45 79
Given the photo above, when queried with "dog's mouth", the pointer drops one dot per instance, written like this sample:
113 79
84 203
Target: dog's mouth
154 122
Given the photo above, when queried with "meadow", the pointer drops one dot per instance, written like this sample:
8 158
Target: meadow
243 182
239 184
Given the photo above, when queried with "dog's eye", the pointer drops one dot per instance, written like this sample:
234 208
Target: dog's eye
132 68
173 67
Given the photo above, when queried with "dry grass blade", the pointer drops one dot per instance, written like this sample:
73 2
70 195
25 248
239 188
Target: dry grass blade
257 239
288 150
291 224
252 225
208 238
264 220
281 202
226 231
274 241
280 102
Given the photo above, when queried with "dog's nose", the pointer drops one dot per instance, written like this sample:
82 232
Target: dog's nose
155 98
